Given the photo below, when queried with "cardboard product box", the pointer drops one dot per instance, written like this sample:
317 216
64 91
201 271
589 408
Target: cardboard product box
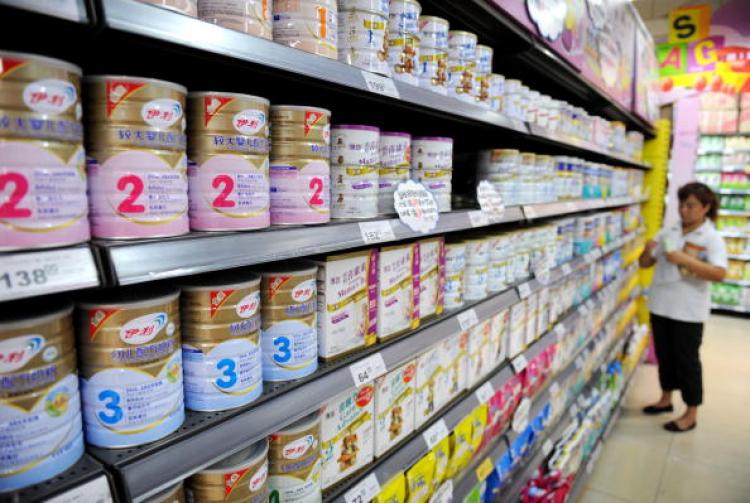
394 406
347 432
499 337
517 334
480 356
532 311
454 352
543 323
429 374
431 276
347 287
398 290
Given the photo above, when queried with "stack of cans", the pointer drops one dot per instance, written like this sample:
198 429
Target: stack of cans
497 274
432 166
497 90
363 34
433 54
455 263
482 81
228 172
403 40
477 268
300 169
395 161
308 25
248 16
294 457
499 167
43 172
355 162
137 165
242 477
462 65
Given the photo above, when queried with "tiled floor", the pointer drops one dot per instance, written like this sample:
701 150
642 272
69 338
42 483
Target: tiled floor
642 463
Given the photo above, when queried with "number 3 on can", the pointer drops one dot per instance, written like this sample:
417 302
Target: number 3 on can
283 353
111 400
229 376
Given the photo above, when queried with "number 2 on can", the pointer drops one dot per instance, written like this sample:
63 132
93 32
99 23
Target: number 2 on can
222 200
283 354
9 208
128 204
316 184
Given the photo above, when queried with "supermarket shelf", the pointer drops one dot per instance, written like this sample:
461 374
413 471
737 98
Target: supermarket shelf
734 234
533 211
76 11
71 483
726 307
734 213
210 437
739 257
724 169
148 260
736 282
734 191
746 133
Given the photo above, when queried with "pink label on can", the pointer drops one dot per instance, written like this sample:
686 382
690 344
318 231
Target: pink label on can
42 197
227 192
135 194
300 195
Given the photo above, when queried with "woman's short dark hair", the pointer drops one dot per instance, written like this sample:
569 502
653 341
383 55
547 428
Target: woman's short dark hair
702 193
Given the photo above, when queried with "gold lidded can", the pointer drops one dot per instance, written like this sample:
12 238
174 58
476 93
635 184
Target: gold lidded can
294 461
302 123
221 341
240 478
129 342
174 494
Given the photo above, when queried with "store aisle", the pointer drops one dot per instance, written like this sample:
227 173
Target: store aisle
642 463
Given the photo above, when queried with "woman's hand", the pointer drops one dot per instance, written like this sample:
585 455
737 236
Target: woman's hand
679 258
647 257
702 269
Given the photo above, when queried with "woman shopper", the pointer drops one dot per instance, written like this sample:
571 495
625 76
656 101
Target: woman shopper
688 257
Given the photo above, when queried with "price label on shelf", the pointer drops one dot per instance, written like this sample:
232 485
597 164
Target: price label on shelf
484 469
566 269
38 273
597 253
380 85
376 232
478 218
368 369
490 200
529 212
524 290
519 363
365 491
573 411
416 206
485 392
547 447
95 491
435 433
554 388
467 319
560 331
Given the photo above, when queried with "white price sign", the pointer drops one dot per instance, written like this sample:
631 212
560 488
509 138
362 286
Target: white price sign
478 218
519 363
547 447
367 370
380 85
566 269
435 433
485 392
524 290
376 232
39 273
521 416
363 492
490 201
529 211
96 491
416 206
467 319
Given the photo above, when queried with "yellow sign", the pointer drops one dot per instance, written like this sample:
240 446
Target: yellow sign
483 471
688 24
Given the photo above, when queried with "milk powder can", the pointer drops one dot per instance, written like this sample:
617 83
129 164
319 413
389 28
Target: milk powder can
40 408
433 54
363 34
294 462
355 157
221 341
403 57
308 25
137 165
395 161
289 335
187 7
131 366
228 168
249 16
43 170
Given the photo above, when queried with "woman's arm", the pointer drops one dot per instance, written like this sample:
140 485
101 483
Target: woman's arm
647 258
702 269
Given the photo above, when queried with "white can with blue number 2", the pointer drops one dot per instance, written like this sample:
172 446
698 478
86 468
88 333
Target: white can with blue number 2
221 341
289 335
130 366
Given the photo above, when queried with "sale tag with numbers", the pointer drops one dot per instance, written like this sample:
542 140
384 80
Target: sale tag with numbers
363 492
490 200
376 232
478 218
368 369
380 85
435 433
38 273
416 206
485 392
519 363
524 290
467 319
96 491
484 469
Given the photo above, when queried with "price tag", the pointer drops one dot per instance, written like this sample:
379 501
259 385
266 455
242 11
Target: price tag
478 218
560 330
529 212
380 85
573 411
435 433
367 370
584 309
444 494
365 491
519 363
521 416
484 469
416 206
566 269
524 290
554 388
485 392
579 363
376 232
547 447
467 319
38 273
490 201
96 491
